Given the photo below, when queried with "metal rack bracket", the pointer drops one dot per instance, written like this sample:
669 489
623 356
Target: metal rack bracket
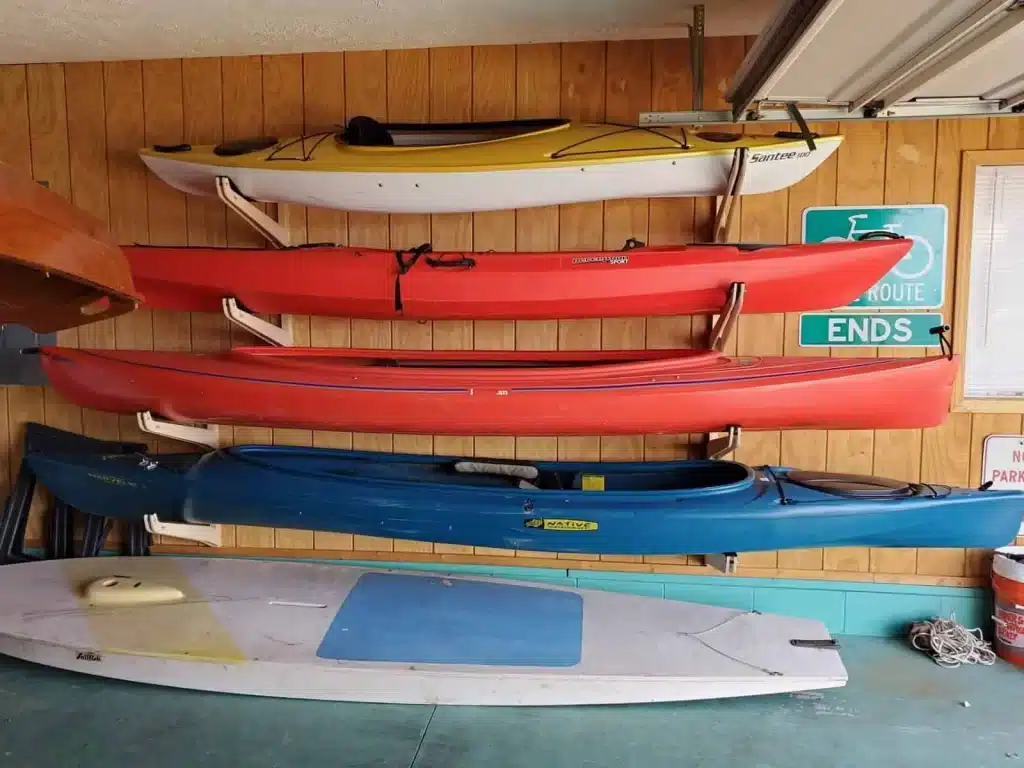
203 533
204 434
725 321
726 562
276 335
721 444
725 203
250 214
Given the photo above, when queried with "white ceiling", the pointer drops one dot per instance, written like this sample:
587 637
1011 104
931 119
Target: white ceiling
89 30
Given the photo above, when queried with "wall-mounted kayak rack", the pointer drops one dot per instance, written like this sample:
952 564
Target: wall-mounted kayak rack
59 529
205 435
272 230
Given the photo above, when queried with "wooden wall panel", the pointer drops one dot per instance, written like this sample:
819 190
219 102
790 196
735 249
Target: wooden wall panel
79 126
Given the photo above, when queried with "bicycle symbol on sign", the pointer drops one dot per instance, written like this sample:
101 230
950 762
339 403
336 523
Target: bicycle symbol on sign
921 246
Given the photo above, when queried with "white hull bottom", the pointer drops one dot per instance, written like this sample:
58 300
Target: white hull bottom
768 170
295 630
280 680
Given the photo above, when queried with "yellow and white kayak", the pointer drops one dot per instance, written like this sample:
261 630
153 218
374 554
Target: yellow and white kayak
462 167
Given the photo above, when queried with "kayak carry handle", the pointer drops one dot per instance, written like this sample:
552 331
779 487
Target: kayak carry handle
945 342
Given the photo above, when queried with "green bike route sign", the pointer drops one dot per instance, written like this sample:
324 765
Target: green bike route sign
918 281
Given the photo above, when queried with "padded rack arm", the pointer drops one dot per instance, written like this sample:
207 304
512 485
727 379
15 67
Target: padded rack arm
726 202
253 216
204 434
725 322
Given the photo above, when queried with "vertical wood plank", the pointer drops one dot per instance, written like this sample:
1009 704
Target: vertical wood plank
408 98
451 100
18 405
581 225
164 122
670 220
206 218
90 191
860 180
202 105
946 450
538 95
909 178
806 448
494 98
48 134
87 142
366 94
284 115
628 86
323 83
129 207
242 95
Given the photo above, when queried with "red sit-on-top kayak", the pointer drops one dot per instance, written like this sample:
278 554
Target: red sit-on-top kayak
507 393
421 285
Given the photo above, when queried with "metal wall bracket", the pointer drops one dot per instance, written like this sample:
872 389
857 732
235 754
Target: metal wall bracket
721 444
726 562
726 320
276 335
203 533
205 434
726 202
771 112
250 214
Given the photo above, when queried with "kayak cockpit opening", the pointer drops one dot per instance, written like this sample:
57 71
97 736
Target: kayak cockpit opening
584 478
864 487
363 131
490 473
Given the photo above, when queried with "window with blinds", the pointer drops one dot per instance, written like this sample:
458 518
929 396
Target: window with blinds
994 344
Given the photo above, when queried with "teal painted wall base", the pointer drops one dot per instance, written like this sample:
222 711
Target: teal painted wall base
846 607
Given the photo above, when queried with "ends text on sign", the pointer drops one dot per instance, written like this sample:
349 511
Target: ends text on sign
868 330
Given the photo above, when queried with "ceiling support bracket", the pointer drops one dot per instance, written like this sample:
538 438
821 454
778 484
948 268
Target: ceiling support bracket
696 32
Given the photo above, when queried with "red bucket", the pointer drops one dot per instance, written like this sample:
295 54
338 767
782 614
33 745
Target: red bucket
1008 585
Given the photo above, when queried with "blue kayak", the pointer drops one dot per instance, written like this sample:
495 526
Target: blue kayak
640 508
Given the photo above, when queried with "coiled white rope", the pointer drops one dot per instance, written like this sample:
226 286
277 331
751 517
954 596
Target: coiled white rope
951 644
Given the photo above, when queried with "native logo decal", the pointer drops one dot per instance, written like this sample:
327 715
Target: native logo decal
111 480
88 656
766 157
600 259
560 524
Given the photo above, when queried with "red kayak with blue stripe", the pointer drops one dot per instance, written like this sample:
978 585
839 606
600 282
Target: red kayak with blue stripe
508 393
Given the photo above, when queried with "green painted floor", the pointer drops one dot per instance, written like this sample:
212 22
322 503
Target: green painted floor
899 709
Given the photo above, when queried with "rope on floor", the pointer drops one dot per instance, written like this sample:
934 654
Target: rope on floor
951 644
